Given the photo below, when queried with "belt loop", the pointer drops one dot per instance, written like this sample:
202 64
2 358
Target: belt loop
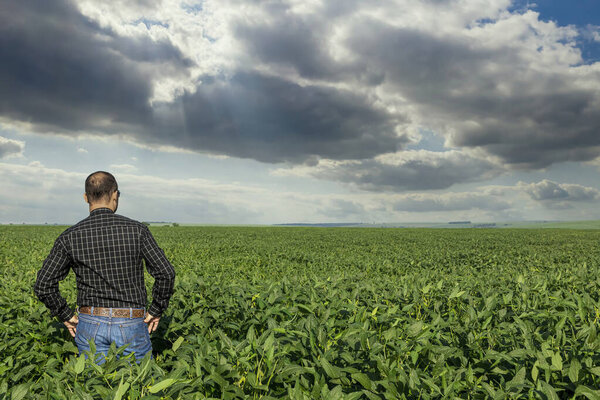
92 312
130 313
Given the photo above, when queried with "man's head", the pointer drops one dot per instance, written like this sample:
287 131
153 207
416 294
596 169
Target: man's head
101 189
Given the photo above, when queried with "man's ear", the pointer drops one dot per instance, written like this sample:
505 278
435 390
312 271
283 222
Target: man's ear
85 198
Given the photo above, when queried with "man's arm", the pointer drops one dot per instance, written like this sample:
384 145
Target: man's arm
54 269
161 270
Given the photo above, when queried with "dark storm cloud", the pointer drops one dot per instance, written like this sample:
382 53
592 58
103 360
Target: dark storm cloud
451 202
479 96
493 99
64 72
301 42
291 41
416 170
270 119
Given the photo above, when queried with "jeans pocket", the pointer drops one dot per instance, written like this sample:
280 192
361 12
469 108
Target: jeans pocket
86 330
136 334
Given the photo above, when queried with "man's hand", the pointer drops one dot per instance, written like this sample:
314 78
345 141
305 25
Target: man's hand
72 325
152 322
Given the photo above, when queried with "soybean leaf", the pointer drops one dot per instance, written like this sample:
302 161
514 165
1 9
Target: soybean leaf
161 385
121 390
363 379
20 391
80 364
178 343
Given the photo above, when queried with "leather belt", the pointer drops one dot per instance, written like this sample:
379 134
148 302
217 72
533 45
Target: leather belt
116 312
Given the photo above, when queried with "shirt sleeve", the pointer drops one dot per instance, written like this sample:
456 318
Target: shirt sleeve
161 270
54 269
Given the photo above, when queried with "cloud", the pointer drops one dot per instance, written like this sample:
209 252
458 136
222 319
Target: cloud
252 115
406 170
450 202
78 77
310 39
273 120
549 191
124 168
509 84
34 193
38 165
343 209
592 33
301 42
511 87
82 150
297 82
63 72
10 147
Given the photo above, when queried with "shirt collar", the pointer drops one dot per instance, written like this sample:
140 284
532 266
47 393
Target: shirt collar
102 210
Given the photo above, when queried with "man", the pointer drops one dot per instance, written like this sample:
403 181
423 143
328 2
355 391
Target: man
105 251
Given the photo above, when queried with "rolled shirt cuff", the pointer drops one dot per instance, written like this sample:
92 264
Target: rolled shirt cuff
65 314
155 310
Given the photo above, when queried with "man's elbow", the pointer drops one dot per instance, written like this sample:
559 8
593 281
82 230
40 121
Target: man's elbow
165 275
42 289
171 274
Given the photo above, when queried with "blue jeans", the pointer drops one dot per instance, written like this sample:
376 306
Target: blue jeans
106 330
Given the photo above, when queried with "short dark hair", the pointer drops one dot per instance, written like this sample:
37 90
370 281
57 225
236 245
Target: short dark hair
100 185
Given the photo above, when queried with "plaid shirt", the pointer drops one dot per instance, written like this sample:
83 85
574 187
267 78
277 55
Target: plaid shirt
105 251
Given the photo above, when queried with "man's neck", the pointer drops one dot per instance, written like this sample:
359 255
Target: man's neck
96 206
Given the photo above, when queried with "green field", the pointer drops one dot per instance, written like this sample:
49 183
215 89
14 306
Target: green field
559 225
330 313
